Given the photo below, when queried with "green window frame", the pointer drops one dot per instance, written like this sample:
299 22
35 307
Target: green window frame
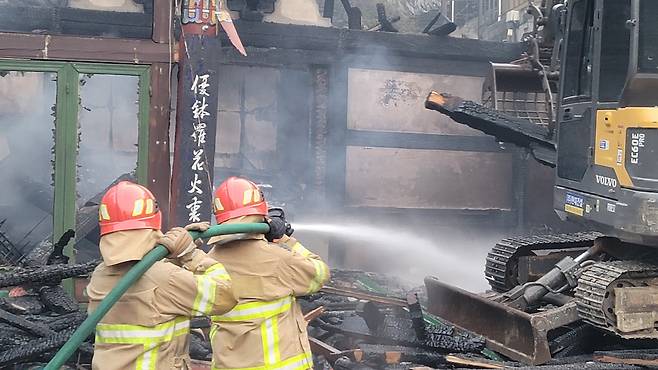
66 129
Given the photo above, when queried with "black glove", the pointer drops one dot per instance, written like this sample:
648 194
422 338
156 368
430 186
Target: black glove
278 225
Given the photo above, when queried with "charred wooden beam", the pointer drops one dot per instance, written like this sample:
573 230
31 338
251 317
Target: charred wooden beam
417 318
312 315
365 296
642 357
324 39
476 363
386 24
505 128
321 348
16 45
381 355
21 16
328 11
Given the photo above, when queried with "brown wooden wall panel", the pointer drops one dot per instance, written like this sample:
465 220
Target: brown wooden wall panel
430 179
381 100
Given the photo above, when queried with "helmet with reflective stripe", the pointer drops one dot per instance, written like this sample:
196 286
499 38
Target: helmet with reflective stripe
237 197
128 206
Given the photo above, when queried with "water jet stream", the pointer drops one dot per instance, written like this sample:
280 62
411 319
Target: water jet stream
455 259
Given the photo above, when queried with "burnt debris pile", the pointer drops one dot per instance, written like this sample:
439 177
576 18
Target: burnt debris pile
369 321
363 321
360 321
37 315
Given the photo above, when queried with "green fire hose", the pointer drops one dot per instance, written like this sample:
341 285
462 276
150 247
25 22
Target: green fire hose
158 253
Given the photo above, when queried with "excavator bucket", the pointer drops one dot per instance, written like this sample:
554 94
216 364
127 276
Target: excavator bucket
517 90
516 334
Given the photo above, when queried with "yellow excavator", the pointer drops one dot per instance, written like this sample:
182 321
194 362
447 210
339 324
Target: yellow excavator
582 99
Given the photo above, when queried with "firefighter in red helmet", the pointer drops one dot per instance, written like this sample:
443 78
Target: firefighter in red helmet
148 328
266 329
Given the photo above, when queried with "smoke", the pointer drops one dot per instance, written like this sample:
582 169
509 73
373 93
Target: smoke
108 131
367 218
414 7
26 160
107 146
414 14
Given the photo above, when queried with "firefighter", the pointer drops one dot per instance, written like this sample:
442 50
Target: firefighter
148 328
266 330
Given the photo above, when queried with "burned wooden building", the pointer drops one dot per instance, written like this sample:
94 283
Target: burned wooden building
328 118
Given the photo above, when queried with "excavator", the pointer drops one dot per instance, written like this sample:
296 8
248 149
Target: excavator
582 99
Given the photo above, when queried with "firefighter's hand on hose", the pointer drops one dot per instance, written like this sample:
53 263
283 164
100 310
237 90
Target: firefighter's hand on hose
278 228
178 241
198 226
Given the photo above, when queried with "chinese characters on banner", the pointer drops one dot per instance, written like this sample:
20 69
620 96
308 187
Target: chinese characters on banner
196 122
199 114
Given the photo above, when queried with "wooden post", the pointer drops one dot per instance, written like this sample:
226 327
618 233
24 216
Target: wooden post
158 156
196 114
162 10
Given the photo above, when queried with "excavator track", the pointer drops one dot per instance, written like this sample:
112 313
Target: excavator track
501 263
595 296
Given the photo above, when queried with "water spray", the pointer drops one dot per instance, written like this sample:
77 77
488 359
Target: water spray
411 255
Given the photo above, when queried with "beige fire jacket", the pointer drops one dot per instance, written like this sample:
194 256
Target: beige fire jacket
148 328
266 330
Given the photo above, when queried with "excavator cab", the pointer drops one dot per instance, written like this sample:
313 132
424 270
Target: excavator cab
607 172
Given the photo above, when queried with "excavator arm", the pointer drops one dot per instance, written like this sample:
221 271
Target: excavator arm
506 128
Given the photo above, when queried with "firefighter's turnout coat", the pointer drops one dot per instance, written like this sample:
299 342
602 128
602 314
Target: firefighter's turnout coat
266 330
148 328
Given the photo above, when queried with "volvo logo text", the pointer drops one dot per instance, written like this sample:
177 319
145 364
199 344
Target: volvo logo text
607 181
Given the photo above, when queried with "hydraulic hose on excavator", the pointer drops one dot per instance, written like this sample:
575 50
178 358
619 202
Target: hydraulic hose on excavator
158 253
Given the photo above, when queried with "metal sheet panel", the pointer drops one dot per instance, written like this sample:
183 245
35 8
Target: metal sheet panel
381 100
434 179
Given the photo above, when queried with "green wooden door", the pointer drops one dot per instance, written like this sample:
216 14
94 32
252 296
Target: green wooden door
66 131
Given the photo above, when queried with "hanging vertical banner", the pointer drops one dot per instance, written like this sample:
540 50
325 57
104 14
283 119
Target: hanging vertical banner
196 114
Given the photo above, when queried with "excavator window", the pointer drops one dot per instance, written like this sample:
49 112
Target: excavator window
578 63
648 45
615 49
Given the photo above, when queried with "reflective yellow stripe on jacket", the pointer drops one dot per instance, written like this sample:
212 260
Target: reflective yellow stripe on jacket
299 362
256 310
205 297
149 336
269 330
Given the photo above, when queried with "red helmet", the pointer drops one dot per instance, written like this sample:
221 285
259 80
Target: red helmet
237 197
128 206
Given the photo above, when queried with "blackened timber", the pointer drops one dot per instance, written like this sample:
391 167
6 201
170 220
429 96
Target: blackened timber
15 45
505 128
288 36
382 354
99 23
422 141
643 357
354 18
328 11
75 21
365 296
